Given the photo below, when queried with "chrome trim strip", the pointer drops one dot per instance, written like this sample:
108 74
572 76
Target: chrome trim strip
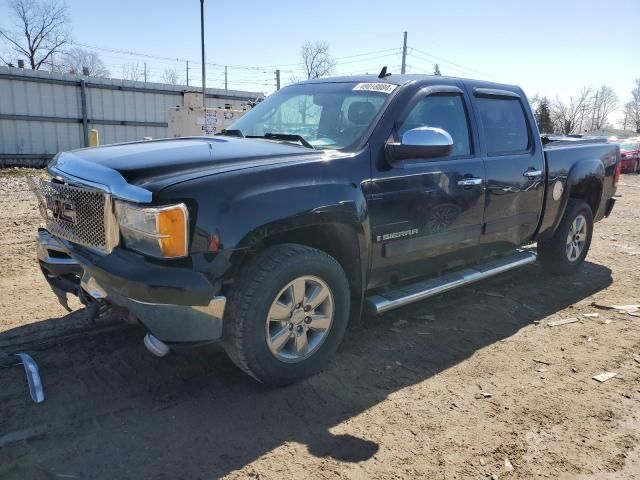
465 182
33 377
386 301
111 226
215 308
68 166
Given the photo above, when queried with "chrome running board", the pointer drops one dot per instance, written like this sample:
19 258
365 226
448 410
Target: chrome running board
404 295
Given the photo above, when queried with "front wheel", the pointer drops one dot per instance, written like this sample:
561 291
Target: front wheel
563 253
287 313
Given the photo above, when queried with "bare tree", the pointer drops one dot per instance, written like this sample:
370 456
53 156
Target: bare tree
605 102
79 60
40 29
316 59
132 71
570 117
171 76
632 108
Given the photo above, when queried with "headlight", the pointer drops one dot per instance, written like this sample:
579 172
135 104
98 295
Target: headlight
157 231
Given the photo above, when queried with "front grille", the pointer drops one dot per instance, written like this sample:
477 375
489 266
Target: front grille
74 213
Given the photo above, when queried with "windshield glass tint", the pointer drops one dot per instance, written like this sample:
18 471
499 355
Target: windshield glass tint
327 115
629 146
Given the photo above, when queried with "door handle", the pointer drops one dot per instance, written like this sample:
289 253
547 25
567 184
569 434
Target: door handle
533 173
467 182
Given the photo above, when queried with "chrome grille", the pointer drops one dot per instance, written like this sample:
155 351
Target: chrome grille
76 214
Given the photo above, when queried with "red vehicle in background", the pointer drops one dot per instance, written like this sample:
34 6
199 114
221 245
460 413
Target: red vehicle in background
630 153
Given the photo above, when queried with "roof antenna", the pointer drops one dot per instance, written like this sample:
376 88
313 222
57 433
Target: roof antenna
383 72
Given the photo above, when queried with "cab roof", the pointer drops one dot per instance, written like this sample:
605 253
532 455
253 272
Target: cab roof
399 79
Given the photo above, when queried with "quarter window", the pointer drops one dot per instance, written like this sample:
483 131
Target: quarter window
504 125
442 111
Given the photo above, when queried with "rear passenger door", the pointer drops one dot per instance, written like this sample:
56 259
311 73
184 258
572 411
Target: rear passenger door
514 166
427 212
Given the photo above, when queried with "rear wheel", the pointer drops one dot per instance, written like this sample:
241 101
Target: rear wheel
566 250
286 314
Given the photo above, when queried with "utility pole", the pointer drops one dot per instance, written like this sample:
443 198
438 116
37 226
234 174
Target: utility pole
187 73
204 75
593 114
225 77
403 69
278 79
145 72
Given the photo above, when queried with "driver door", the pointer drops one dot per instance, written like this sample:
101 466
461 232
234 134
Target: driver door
427 213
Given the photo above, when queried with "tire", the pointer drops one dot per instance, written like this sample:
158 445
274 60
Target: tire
555 255
254 335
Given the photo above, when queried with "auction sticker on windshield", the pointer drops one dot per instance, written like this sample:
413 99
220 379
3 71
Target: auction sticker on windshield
376 87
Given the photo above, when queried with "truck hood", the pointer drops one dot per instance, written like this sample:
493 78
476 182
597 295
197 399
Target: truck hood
154 165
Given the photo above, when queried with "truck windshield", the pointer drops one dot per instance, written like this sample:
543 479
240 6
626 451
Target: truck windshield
318 115
630 146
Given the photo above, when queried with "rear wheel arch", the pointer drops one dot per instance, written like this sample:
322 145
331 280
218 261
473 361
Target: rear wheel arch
589 190
585 182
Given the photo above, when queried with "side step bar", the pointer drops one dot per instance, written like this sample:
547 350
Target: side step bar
415 292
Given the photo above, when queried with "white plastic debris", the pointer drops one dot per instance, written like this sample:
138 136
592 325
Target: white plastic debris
507 464
564 321
604 376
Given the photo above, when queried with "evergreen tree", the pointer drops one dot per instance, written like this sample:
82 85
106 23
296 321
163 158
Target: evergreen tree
543 116
436 70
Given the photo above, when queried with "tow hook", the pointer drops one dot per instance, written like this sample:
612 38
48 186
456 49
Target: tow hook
156 346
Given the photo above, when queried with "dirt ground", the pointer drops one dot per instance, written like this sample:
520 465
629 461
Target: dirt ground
472 384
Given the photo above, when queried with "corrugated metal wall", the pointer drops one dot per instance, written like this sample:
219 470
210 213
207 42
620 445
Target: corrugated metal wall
42 113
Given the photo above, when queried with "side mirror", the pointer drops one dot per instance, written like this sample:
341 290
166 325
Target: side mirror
422 142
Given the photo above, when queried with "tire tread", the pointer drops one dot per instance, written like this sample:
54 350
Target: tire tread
241 297
552 252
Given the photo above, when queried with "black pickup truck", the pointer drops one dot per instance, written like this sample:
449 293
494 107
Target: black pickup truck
331 196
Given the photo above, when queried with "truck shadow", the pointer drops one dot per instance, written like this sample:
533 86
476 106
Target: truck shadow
114 411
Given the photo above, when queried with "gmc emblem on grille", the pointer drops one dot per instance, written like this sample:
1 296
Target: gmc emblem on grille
62 209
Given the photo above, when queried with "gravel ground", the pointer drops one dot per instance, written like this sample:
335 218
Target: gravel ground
471 384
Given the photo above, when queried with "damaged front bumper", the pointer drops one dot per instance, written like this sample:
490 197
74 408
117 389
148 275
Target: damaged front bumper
174 304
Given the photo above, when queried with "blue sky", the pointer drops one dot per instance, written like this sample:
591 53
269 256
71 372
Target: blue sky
548 47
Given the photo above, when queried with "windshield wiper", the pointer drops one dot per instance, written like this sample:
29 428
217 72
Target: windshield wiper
232 132
289 137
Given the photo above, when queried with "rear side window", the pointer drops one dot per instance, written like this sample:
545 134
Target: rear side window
504 125
442 111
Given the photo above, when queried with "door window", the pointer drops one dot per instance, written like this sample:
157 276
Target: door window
504 125
442 111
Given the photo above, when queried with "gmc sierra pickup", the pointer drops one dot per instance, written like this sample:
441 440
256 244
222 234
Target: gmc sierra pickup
330 197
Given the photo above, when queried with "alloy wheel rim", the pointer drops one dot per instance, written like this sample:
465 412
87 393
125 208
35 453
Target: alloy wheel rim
299 319
576 238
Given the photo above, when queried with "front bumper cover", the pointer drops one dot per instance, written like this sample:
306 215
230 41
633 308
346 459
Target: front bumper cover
174 304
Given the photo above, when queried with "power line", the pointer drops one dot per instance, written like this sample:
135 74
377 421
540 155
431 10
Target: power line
255 75
265 68
420 56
